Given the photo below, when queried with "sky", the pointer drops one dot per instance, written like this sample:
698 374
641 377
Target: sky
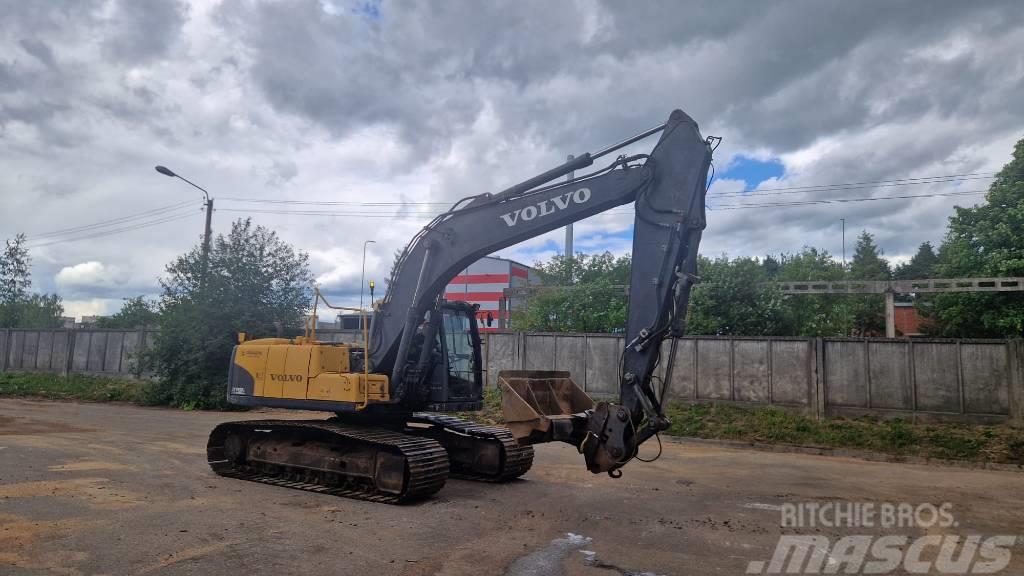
408 106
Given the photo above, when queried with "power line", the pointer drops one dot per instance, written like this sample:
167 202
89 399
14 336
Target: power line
112 222
833 187
843 200
939 179
391 215
426 215
113 231
332 203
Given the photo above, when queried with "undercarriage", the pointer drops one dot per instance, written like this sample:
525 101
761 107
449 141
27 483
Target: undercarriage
404 462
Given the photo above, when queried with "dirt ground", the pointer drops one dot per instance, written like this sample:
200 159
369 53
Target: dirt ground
116 489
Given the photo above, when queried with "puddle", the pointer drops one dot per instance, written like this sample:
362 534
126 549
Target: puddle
548 561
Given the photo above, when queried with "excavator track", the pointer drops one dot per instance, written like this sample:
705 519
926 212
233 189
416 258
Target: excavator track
330 457
475 451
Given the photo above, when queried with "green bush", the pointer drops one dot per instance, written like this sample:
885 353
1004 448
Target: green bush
253 282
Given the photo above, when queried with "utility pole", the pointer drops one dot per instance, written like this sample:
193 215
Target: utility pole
208 230
843 220
568 227
207 233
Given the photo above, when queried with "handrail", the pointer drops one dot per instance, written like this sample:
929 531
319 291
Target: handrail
311 335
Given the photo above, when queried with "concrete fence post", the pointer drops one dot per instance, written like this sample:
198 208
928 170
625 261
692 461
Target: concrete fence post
818 397
1016 396
5 350
141 351
69 352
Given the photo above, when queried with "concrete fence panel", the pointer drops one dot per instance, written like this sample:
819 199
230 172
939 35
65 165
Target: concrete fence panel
937 377
29 347
80 351
112 352
602 364
44 351
846 372
539 351
986 378
714 369
502 354
97 351
684 374
570 354
888 378
16 351
751 372
792 371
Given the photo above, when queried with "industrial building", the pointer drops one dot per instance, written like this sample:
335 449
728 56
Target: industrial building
484 282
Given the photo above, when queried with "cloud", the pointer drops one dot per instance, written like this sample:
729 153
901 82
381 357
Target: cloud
87 277
357 108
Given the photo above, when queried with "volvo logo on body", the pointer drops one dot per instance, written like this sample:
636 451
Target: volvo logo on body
547 207
286 377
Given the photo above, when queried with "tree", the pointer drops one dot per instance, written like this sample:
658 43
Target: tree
134 313
868 310
734 298
18 307
15 271
813 314
985 240
255 281
868 263
585 294
921 265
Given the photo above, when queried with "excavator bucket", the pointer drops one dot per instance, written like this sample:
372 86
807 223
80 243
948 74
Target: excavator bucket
538 404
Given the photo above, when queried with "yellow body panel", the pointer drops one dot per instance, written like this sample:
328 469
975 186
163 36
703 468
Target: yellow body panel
281 368
273 385
253 359
295 373
347 387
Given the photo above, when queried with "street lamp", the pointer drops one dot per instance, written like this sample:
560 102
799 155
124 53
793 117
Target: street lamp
362 275
843 220
209 214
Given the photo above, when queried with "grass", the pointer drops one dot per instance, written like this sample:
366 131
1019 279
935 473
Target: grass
72 387
998 444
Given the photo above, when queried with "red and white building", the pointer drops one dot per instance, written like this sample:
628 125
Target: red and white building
484 282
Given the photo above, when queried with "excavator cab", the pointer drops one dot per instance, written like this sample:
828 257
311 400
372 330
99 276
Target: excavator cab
456 378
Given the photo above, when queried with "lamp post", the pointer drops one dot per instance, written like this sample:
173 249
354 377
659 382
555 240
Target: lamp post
209 215
362 275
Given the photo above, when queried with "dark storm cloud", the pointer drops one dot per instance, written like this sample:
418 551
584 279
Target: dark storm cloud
140 31
782 73
40 50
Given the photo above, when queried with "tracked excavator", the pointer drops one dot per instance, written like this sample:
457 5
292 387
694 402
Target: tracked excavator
390 439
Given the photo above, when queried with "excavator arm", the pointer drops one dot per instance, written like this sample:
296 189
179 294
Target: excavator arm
668 187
